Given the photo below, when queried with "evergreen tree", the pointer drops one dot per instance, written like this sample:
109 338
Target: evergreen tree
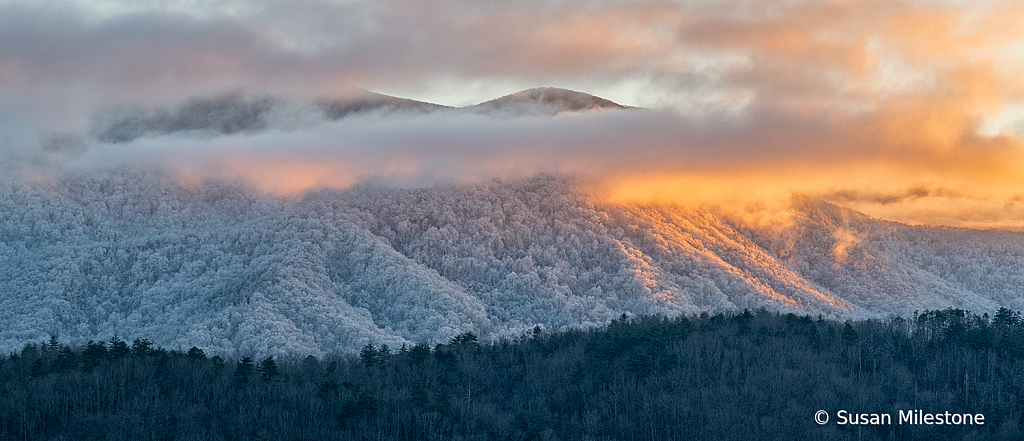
466 338
142 347
38 368
118 348
419 352
743 321
197 354
217 362
850 335
369 355
66 359
94 354
268 369
31 350
244 370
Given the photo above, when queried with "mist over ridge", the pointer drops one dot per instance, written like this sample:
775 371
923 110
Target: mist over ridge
290 145
234 112
909 112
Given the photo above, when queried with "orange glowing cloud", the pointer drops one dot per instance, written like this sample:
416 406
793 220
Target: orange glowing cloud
858 101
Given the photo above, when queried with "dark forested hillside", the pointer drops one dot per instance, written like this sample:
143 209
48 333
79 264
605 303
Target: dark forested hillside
752 375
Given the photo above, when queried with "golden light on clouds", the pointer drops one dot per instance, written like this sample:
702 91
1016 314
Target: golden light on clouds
906 110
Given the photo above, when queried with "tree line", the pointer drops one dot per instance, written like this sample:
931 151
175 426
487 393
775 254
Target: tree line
753 375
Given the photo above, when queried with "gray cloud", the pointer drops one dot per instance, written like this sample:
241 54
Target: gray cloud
857 96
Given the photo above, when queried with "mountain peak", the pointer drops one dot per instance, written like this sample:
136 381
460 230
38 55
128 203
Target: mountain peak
365 101
545 101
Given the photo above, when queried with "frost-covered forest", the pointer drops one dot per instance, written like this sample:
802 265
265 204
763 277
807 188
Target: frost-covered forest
235 272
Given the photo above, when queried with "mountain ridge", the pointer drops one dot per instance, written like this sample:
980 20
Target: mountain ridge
237 113
236 272
544 101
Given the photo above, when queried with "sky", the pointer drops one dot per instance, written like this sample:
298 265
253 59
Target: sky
906 110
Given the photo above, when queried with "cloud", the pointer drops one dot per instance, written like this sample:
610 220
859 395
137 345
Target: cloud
837 56
861 101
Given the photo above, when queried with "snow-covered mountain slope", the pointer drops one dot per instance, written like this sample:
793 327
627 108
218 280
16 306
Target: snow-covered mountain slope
364 101
882 267
544 101
225 268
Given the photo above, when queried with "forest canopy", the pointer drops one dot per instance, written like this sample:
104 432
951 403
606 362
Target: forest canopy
750 375
233 271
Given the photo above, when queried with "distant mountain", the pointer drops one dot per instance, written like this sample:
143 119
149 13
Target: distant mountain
544 101
364 101
234 272
236 113
224 115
